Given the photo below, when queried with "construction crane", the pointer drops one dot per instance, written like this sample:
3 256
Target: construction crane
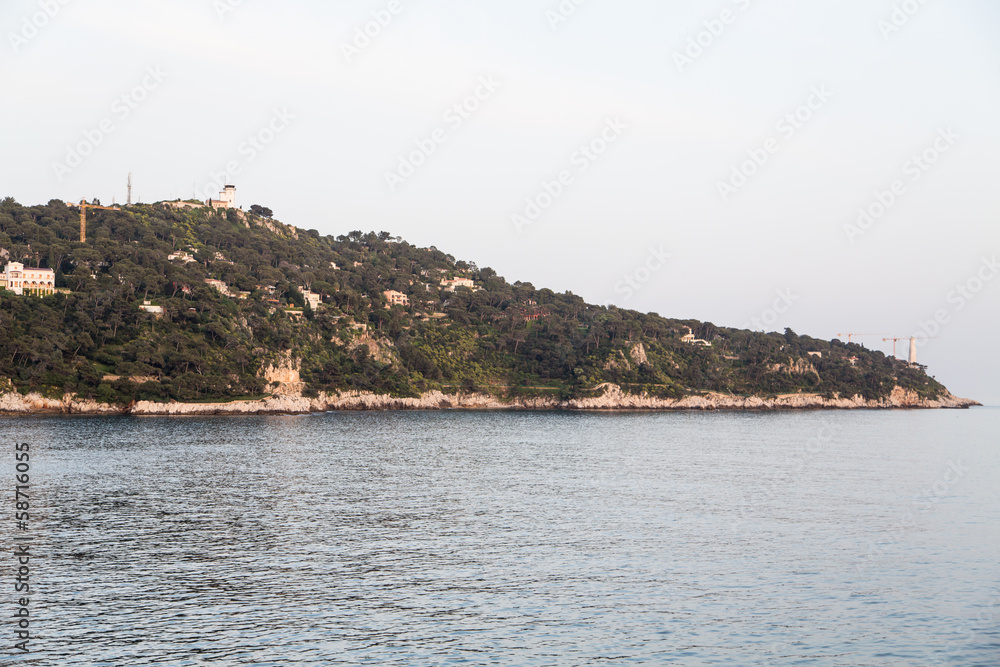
83 216
913 346
894 341
850 336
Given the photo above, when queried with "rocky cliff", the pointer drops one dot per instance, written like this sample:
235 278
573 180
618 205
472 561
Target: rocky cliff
612 398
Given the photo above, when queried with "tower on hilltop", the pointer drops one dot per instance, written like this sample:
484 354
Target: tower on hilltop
227 198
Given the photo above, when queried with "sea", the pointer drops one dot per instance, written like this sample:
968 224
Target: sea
848 538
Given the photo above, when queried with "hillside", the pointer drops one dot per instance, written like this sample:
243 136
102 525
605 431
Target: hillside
254 332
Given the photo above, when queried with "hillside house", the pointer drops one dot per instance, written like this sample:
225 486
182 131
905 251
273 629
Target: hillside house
452 285
219 285
312 298
691 340
21 280
182 256
396 298
151 309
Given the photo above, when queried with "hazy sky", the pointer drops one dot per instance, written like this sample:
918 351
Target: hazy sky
695 159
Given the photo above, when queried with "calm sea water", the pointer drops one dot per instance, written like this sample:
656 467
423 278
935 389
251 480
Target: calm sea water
457 538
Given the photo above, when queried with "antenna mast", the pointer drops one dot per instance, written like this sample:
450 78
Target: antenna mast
129 202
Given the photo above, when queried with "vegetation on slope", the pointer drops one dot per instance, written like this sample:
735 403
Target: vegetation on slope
508 339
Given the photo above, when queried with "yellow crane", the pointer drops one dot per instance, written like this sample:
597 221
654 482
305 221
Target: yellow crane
83 216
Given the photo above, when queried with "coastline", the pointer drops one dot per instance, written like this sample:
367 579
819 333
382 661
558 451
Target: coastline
613 399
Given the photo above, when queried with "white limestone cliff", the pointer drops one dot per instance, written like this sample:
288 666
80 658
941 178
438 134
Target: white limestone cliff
612 398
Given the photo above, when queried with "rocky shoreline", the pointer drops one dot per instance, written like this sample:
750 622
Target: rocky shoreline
612 399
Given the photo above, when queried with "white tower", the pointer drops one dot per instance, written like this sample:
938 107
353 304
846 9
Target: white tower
229 195
913 351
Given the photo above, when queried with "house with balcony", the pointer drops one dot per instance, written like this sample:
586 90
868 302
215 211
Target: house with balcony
396 298
23 280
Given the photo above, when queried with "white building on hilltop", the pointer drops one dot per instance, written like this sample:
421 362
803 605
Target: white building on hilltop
20 280
227 198
691 340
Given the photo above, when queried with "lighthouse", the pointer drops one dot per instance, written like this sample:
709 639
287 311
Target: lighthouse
227 198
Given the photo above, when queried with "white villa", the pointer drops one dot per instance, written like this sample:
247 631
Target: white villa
181 255
312 298
452 285
151 309
691 340
21 280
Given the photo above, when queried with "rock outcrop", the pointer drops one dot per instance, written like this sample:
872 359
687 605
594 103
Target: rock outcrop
16 404
284 374
379 349
611 398
638 354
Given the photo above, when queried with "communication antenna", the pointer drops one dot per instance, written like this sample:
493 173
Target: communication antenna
129 202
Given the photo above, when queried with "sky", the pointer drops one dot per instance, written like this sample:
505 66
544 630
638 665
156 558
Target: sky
827 166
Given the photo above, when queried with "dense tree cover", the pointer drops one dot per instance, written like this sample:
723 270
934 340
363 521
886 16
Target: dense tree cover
505 338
